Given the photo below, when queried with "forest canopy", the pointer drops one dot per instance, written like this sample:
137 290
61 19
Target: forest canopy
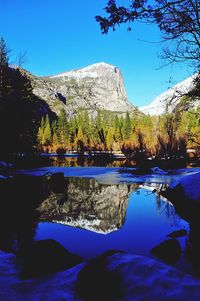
166 136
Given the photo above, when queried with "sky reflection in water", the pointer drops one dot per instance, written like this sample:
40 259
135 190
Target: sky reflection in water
143 224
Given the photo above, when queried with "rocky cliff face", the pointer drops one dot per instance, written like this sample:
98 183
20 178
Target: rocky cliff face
99 86
168 101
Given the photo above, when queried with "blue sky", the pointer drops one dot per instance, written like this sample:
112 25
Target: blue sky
63 35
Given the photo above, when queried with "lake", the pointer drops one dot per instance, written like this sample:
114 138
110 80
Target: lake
91 218
94 209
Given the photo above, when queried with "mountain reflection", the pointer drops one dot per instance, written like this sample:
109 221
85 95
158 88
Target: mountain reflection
143 218
87 204
82 202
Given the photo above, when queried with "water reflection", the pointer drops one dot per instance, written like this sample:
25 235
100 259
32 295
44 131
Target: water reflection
89 205
163 205
134 218
81 161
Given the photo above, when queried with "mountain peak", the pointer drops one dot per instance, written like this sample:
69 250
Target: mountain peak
168 100
101 64
98 86
89 71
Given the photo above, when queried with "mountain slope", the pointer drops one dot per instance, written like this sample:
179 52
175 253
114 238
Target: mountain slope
168 101
99 86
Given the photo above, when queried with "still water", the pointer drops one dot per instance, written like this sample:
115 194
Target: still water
101 217
85 161
89 218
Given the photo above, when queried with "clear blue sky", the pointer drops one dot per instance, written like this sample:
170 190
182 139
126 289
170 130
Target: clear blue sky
63 35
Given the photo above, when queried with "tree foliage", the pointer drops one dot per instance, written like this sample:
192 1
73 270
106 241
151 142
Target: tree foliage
4 53
178 20
136 135
20 110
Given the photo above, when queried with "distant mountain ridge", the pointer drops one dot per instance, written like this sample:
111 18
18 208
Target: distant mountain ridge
98 86
168 101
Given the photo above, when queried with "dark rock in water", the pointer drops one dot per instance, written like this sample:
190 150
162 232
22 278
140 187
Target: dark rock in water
47 256
95 282
169 251
178 233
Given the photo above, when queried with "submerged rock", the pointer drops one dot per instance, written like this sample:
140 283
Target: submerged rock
47 256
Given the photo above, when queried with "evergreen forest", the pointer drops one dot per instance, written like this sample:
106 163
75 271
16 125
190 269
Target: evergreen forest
169 135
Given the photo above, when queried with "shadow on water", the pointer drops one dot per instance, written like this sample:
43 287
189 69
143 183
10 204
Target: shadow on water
19 198
119 216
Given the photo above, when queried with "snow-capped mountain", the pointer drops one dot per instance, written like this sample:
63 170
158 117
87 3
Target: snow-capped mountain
90 71
167 101
99 86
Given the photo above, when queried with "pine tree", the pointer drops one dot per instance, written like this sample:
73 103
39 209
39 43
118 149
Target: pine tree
80 135
42 125
63 128
55 140
110 139
86 123
7 116
40 137
3 53
127 127
4 70
116 125
91 131
98 121
73 129
47 137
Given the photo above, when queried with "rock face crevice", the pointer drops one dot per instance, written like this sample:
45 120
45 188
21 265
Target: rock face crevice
99 86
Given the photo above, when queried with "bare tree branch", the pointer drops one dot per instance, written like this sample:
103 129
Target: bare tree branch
178 21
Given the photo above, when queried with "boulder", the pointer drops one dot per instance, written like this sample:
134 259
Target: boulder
141 278
47 256
178 233
96 282
131 277
187 187
185 196
169 251
59 286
